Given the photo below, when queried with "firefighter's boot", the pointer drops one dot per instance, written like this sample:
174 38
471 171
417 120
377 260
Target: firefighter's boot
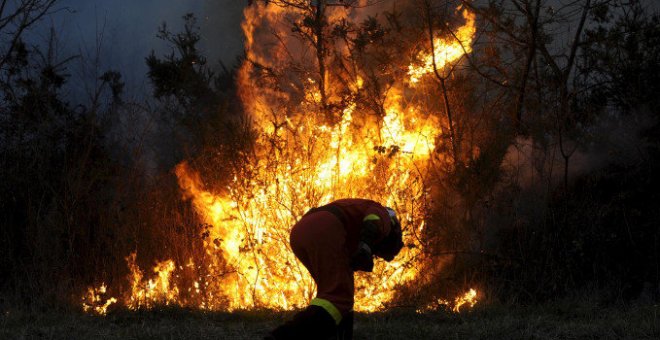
311 323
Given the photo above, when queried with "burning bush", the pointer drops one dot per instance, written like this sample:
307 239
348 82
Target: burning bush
323 132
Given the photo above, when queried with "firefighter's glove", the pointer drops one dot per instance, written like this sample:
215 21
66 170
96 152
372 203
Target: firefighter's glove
391 245
362 259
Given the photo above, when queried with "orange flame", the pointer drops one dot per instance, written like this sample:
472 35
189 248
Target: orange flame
467 299
156 291
446 52
93 301
301 160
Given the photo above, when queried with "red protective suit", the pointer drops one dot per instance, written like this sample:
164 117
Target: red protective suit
324 242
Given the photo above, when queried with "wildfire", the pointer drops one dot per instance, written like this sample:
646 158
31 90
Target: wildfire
446 51
301 160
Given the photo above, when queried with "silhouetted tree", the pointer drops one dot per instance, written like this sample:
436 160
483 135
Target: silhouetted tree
57 170
197 102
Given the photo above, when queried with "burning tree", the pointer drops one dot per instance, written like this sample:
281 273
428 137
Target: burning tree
337 112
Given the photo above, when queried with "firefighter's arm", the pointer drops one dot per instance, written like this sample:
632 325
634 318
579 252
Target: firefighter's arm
375 227
389 244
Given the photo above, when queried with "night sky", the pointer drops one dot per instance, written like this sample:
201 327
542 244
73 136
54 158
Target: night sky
128 31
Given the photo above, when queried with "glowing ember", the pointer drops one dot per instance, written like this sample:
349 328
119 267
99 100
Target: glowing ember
446 51
305 156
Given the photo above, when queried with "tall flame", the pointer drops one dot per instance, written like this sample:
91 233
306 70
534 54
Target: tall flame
446 51
301 160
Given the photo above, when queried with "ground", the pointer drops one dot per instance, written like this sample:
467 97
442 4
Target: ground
565 320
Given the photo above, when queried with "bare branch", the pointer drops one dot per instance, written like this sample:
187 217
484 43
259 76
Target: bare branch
27 14
576 40
533 22
441 80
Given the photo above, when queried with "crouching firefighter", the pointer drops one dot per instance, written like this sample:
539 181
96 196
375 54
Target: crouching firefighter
332 242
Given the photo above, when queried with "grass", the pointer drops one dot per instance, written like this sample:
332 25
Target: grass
559 320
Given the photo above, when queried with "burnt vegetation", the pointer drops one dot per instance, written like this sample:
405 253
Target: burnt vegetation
561 197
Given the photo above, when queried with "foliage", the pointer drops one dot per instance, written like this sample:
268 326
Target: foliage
623 60
506 220
197 104
57 173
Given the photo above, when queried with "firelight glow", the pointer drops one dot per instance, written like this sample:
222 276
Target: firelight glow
446 51
301 160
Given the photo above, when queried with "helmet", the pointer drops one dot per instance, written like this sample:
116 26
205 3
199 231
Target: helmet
395 221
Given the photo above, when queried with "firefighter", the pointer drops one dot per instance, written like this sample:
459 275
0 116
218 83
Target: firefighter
332 242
